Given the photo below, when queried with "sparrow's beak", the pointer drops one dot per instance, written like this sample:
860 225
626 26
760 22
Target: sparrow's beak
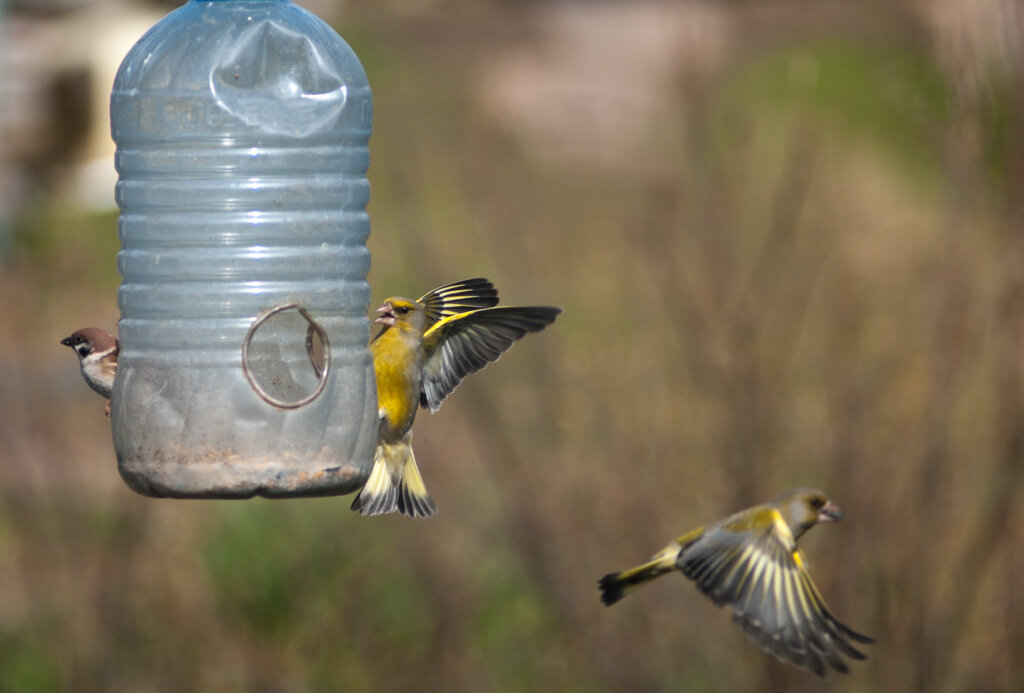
68 342
830 513
388 317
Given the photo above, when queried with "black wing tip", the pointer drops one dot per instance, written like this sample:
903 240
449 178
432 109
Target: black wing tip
542 317
551 312
530 318
860 637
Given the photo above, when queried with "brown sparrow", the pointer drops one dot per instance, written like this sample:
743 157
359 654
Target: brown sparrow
97 356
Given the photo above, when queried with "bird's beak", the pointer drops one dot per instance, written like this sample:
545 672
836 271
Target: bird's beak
830 513
67 342
388 317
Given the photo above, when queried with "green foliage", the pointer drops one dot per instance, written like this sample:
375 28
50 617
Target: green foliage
513 625
889 97
27 666
71 248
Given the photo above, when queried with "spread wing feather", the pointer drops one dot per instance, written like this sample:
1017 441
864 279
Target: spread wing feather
459 345
759 573
458 297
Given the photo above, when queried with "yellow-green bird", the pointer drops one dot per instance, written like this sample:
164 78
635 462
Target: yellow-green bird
750 561
423 351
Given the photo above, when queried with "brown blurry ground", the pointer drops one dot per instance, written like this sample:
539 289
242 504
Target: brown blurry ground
789 241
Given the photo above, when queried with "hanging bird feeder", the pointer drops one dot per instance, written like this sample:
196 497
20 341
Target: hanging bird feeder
241 132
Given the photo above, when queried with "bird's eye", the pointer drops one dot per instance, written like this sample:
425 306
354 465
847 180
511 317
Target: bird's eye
817 503
402 310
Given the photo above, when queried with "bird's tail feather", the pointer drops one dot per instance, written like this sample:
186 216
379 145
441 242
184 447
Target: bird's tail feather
413 499
615 586
395 484
379 495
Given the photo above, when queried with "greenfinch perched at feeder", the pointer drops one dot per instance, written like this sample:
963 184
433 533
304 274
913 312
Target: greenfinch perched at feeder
750 562
421 354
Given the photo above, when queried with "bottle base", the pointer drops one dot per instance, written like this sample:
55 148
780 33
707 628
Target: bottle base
229 477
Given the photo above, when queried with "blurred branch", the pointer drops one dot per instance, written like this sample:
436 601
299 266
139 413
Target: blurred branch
1007 477
742 373
943 625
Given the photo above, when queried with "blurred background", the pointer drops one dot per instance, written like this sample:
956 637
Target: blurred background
789 239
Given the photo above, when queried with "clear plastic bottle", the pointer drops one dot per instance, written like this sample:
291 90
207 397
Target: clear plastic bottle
241 129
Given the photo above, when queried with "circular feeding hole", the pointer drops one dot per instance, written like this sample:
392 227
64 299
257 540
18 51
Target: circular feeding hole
286 357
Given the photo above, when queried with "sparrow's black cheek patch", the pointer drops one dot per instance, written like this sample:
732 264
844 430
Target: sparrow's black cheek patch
286 357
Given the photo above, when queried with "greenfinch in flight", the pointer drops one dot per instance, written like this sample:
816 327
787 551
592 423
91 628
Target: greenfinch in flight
421 354
750 561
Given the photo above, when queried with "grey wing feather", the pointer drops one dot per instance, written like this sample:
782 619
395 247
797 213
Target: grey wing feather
772 598
473 340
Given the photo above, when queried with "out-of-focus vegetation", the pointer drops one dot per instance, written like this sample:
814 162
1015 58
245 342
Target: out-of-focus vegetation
806 269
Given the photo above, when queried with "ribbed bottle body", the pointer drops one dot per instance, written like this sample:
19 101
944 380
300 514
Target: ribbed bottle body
241 132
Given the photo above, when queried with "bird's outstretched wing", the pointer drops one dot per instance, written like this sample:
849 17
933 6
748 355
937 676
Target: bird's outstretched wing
756 568
458 297
459 345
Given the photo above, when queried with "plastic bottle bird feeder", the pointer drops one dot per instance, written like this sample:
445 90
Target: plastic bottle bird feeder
241 132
